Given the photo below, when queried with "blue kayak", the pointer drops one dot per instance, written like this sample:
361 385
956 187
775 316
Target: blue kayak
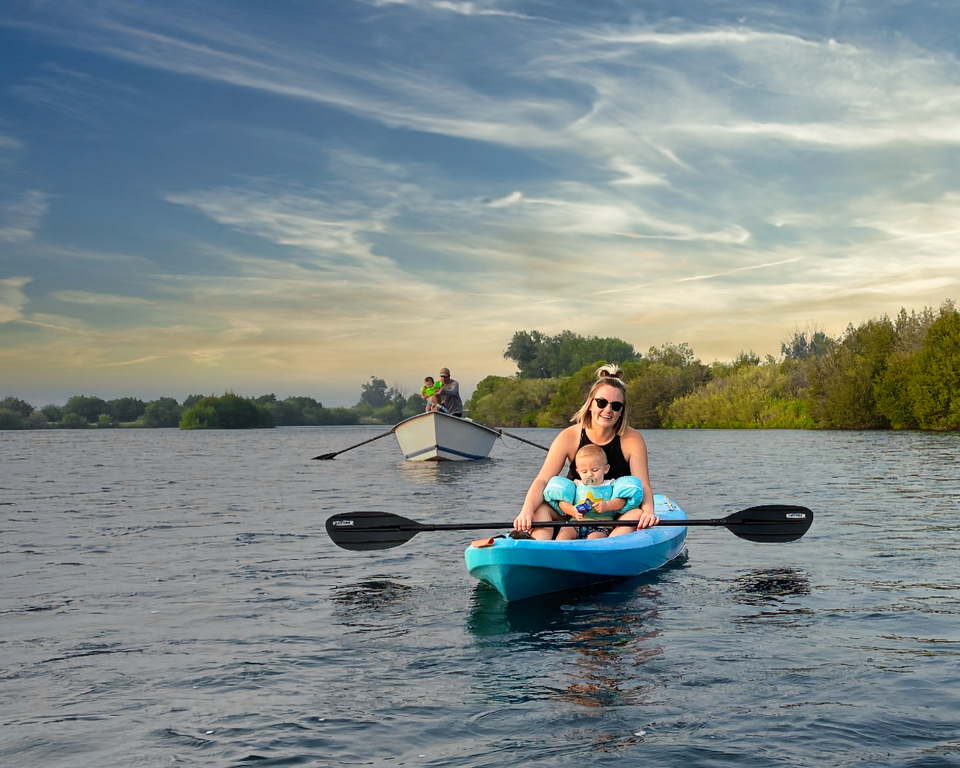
523 568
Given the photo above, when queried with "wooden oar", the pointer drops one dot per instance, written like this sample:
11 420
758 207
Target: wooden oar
383 530
328 456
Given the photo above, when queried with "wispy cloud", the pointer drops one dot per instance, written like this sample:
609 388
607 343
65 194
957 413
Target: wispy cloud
462 8
327 194
19 219
12 298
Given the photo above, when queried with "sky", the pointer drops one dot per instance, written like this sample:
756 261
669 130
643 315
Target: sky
292 197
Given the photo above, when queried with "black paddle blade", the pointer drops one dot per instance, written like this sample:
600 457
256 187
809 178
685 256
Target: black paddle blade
371 530
770 523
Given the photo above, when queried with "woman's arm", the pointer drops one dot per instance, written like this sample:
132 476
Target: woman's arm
635 451
557 456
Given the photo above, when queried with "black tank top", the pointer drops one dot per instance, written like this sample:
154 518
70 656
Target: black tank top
619 467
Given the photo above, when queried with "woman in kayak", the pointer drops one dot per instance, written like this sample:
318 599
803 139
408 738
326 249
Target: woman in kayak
602 421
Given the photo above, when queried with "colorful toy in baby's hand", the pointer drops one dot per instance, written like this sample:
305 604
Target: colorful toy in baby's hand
585 505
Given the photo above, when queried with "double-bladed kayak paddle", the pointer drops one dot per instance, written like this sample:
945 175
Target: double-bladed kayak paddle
382 530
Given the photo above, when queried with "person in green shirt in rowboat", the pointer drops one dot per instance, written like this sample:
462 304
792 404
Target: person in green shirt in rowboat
428 390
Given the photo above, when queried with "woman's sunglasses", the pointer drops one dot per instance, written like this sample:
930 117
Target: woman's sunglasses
615 405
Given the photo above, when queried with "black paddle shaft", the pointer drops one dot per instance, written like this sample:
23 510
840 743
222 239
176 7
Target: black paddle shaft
383 530
329 456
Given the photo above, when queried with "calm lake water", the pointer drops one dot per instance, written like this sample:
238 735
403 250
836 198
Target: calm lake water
171 598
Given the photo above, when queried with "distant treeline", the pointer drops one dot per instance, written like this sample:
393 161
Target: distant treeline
228 411
900 373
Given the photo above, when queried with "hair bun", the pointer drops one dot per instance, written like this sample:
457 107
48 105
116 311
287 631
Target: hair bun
609 371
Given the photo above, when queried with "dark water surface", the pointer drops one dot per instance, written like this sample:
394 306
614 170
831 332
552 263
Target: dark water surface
170 598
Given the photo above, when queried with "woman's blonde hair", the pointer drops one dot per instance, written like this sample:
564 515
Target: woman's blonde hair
608 375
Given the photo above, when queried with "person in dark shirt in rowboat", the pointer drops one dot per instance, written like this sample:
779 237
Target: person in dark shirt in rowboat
602 421
450 394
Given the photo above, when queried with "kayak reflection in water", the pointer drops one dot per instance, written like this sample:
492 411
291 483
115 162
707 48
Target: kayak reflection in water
602 421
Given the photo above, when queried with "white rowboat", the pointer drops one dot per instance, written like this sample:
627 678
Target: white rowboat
436 436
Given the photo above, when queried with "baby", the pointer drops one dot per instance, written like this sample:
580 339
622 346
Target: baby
429 389
592 497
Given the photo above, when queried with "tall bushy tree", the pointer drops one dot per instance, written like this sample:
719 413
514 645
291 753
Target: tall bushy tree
87 408
799 347
374 393
843 382
17 406
162 412
539 356
667 373
935 385
126 408
506 401
10 419
227 412
893 393
569 396
752 396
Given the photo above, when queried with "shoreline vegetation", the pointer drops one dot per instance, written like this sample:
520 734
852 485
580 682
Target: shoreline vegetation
886 373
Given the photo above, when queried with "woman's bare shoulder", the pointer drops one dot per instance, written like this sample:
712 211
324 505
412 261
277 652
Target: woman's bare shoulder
569 436
632 439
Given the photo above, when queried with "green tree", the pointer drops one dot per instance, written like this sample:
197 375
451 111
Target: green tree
751 397
73 420
843 381
11 419
163 412
19 406
524 349
912 329
935 386
339 416
53 412
801 348
192 400
229 411
374 393
200 415
650 394
126 408
106 421
893 392
89 408
668 372
506 401
539 356
569 397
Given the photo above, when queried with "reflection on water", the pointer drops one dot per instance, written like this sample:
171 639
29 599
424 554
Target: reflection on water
766 586
606 633
374 595
446 472
492 617
609 650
